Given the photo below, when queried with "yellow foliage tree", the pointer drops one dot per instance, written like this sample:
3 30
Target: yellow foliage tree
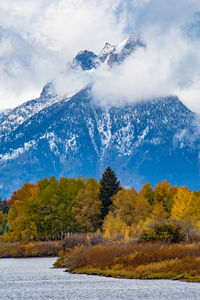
23 213
1 218
147 193
87 208
158 212
182 204
195 207
123 215
142 209
186 205
113 226
124 203
164 194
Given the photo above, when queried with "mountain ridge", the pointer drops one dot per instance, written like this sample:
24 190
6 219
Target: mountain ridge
67 136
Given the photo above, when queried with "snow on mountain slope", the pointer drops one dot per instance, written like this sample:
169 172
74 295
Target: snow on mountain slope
14 118
3 113
150 140
10 120
141 142
110 54
106 51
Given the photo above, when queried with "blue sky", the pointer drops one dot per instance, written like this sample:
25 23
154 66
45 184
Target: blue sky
39 38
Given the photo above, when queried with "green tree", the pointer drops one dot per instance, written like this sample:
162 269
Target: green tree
109 186
48 202
68 189
3 206
3 210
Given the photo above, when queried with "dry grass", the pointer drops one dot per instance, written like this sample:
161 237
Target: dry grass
138 260
32 249
6 248
47 248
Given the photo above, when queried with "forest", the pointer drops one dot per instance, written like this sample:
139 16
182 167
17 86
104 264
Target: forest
103 228
51 209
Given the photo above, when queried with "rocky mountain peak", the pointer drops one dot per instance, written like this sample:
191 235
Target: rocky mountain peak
67 136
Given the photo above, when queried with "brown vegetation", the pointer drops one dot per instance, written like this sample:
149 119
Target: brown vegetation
137 260
32 249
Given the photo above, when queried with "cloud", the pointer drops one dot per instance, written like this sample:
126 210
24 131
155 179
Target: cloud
6 48
38 40
169 65
143 76
45 36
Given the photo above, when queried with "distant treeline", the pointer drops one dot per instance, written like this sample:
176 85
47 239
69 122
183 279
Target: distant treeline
53 208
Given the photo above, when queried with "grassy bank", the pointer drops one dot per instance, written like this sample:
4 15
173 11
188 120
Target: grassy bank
47 248
30 249
136 260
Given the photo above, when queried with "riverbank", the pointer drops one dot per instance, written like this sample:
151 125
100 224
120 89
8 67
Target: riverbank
127 274
135 261
30 249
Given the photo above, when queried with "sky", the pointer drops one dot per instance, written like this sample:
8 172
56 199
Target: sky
38 40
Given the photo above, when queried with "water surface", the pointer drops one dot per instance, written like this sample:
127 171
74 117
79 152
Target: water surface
33 278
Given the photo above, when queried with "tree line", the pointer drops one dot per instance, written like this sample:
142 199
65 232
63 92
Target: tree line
53 208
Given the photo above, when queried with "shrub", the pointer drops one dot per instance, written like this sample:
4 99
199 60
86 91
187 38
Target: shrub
96 239
73 240
125 257
193 235
169 231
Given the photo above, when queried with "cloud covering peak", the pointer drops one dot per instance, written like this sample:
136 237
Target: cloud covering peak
39 39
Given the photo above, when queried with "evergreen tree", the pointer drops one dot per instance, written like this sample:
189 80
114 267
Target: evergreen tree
109 186
3 206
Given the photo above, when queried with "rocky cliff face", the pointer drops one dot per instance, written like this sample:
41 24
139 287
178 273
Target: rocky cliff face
68 136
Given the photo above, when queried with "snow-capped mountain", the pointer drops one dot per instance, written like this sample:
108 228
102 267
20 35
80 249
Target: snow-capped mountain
110 54
4 112
68 136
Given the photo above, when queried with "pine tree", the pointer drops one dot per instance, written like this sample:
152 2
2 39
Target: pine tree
109 186
3 206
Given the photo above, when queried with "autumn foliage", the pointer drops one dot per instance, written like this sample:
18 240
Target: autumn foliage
51 209
137 260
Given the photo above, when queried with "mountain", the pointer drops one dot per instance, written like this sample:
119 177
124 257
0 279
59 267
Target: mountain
3 113
110 54
67 136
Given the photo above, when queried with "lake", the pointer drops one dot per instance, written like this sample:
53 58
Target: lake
33 278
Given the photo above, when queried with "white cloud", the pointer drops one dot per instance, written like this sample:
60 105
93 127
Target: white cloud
39 38
46 35
169 65
6 47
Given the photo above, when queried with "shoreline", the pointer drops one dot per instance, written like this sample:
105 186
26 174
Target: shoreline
135 261
124 275
145 261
